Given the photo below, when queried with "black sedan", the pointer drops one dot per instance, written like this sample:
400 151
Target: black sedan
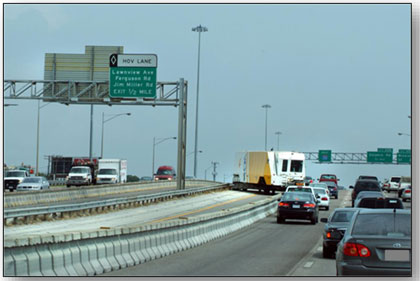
377 242
297 205
334 230
333 188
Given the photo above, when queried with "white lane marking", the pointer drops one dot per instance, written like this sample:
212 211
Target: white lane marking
308 264
319 249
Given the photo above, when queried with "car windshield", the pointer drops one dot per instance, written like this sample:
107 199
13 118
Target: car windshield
164 172
107 172
296 197
388 224
79 170
328 177
18 174
296 166
342 216
32 180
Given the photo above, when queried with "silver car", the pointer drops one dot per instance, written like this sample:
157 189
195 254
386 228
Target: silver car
377 243
406 193
33 183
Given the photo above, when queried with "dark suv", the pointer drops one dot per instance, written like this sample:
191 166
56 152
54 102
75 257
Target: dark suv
364 185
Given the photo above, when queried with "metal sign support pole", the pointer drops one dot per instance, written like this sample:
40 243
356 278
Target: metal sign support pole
182 129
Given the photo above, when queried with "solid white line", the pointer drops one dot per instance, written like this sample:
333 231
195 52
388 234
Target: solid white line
308 264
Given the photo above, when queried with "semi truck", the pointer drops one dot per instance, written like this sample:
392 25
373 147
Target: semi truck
268 171
112 171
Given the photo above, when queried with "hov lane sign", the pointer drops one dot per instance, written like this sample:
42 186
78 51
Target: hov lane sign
132 75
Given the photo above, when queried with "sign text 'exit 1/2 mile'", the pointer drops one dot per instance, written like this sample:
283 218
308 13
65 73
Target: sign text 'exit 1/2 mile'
132 76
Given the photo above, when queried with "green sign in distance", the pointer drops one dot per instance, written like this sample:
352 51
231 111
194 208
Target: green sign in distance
324 155
404 151
404 156
379 157
132 76
390 150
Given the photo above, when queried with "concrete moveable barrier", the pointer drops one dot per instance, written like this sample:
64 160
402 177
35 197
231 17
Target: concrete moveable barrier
96 252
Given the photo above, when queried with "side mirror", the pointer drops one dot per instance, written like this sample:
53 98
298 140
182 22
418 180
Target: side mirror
338 179
351 187
324 220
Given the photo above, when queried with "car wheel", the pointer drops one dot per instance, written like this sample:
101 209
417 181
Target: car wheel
68 185
336 197
314 220
404 200
280 220
388 191
327 208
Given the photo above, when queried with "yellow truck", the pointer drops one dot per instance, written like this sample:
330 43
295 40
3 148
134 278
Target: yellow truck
268 170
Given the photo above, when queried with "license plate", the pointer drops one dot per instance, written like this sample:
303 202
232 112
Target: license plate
397 255
296 206
300 184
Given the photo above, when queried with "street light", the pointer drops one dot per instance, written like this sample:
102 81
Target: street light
198 29
160 140
103 122
278 139
266 106
403 134
189 153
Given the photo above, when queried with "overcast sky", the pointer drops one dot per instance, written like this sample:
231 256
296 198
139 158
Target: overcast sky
336 76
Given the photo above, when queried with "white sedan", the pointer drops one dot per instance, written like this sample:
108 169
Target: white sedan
324 199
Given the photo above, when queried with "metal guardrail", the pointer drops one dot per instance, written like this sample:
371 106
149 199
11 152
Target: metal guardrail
141 199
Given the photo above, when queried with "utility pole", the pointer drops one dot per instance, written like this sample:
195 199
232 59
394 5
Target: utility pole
214 170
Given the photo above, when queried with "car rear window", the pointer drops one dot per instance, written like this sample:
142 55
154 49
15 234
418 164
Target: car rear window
395 179
295 197
328 177
342 216
389 224
367 186
297 189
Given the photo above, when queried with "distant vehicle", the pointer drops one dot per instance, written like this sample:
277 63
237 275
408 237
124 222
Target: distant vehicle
333 188
368 178
165 173
404 182
377 242
111 171
297 205
83 172
336 226
146 178
406 193
393 184
328 177
364 185
321 185
14 177
308 180
268 170
368 194
33 183
322 197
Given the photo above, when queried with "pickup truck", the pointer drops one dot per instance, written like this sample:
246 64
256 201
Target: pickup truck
13 177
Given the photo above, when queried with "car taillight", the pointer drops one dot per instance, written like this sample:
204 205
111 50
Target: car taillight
309 205
282 204
356 250
407 191
324 199
328 234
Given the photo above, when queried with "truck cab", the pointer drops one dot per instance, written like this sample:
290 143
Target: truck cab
79 175
107 175
14 177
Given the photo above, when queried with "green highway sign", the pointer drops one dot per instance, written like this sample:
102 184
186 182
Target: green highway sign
379 157
404 156
324 155
132 76
390 150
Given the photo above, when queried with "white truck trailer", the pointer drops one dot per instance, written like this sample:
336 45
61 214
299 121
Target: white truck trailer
112 171
268 170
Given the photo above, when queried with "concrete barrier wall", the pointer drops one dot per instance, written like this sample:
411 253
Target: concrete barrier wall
96 252
16 199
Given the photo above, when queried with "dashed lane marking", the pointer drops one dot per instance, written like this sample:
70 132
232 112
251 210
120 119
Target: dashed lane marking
308 264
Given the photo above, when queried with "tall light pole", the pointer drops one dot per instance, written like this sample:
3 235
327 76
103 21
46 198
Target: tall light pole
160 140
278 139
266 106
198 29
37 137
103 122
